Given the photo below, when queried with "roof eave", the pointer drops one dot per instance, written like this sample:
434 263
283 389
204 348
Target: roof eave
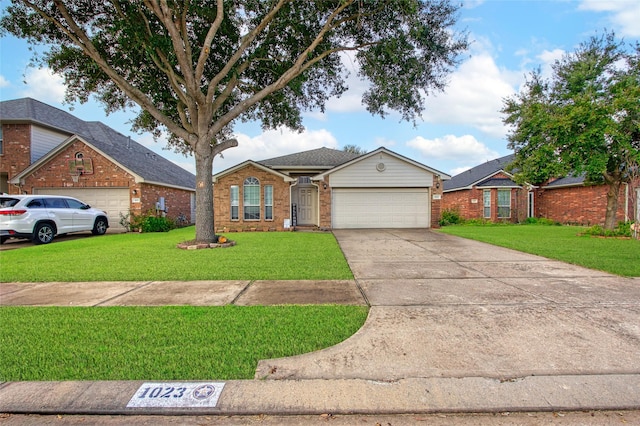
255 164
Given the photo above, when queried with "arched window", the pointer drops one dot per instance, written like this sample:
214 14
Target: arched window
251 199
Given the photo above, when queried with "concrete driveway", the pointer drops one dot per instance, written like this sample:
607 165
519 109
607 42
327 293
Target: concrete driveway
443 306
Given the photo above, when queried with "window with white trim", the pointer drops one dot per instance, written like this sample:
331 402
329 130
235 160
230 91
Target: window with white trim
251 199
235 202
268 202
486 202
504 203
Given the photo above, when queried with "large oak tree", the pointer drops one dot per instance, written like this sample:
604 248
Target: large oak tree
584 120
196 66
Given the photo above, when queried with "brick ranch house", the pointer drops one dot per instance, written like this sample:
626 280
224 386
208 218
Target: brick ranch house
328 189
488 191
44 150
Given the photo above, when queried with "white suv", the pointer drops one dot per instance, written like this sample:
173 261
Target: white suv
41 217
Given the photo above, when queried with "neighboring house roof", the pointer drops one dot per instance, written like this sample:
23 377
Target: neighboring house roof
478 174
320 158
498 183
567 181
139 160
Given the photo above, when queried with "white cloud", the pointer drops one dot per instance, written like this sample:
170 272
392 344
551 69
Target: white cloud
44 85
548 58
273 143
458 170
4 82
351 100
624 15
462 149
474 96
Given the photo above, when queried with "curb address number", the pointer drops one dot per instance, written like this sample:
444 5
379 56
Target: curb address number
198 394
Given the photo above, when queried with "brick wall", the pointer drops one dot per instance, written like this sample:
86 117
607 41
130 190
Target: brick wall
469 203
437 202
16 151
55 173
177 201
222 201
583 205
325 204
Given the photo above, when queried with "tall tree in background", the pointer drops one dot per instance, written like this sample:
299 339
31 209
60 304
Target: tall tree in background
354 149
584 121
195 66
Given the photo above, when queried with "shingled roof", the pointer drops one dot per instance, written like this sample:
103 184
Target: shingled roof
321 158
476 175
131 155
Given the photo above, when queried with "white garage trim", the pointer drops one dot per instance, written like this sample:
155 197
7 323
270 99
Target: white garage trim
380 208
112 200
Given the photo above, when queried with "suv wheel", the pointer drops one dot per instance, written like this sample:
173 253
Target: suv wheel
43 233
100 226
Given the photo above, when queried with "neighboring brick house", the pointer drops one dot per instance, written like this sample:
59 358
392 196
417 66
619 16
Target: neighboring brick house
487 191
45 150
328 189
569 200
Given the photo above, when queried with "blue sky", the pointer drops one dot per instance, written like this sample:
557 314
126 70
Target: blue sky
459 129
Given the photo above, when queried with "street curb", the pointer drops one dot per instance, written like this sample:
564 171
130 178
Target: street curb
350 396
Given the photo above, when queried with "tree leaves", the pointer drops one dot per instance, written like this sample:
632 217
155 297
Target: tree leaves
584 121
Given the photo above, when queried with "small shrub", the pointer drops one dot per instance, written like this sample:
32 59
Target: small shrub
622 229
450 217
157 224
149 222
125 220
541 221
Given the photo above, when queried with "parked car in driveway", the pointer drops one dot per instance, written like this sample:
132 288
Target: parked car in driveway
41 217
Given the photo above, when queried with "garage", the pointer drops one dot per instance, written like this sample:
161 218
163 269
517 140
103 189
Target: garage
380 208
112 200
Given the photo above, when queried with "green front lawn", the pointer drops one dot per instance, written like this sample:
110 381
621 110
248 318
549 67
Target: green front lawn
154 257
168 343
163 343
617 256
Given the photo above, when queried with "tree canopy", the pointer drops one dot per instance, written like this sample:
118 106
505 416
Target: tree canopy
584 120
194 67
354 149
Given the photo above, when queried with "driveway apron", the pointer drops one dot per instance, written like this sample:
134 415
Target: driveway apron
444 306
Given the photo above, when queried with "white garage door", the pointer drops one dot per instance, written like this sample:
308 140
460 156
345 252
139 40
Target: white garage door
381 208
111 200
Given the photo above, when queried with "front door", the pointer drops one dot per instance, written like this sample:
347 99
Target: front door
307 205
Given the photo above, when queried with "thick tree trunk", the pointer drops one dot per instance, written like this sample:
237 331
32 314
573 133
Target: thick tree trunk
612 204
205 231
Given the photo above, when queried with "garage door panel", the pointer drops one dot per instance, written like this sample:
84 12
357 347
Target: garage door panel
111 200
380 208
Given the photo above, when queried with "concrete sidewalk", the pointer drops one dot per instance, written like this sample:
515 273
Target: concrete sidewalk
454 326
195 293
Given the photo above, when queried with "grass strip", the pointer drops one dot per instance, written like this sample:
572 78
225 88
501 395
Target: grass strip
565 243
155 257
163 343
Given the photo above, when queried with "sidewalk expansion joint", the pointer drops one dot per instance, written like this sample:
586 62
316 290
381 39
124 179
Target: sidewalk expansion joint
102 302
242 292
